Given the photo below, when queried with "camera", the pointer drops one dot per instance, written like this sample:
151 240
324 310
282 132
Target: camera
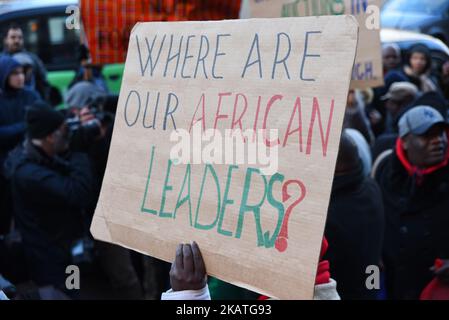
92 128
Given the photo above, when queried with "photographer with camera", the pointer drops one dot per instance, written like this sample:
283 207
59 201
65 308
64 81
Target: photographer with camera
90 129
86 118
51 188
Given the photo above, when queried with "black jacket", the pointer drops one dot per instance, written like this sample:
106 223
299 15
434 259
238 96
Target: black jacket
12 109
417 226
354 230
49 195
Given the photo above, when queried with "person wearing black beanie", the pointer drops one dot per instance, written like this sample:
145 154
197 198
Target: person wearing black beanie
46 129
51 188
42 120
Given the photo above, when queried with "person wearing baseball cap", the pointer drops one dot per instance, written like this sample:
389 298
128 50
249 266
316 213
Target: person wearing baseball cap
414 179
399 97
400 90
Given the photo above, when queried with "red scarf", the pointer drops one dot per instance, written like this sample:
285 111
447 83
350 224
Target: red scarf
414 170
435 290
323 275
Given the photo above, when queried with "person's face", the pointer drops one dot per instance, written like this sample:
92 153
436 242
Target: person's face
418 62
445 69
87 70
16 79
14 40
390 58
60 139
84 114
393 106
445 72
428 149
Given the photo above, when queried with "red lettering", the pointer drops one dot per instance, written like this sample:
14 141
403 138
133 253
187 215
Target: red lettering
203 116
218 115
324 140
264 127
289 132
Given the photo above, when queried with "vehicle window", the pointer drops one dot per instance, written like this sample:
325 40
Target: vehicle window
31 33
63 43
48 37
56 28
416 6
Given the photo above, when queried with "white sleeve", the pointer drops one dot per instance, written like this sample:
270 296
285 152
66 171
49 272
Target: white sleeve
202 294
326 291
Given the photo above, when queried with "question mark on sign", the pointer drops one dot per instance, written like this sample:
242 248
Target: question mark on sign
282 240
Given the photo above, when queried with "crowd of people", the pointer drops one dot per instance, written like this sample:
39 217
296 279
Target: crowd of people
389 205
53 164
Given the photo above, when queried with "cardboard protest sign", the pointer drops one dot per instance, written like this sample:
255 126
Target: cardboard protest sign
174 176
368 70
108 23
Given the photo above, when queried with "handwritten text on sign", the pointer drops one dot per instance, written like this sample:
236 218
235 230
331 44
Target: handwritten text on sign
367 71
209 81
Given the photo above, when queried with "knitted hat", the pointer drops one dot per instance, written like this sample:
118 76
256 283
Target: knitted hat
42 120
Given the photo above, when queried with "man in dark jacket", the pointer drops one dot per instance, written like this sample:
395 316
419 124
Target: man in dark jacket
414 179
355 224
50 189
13 100
13 43
399 98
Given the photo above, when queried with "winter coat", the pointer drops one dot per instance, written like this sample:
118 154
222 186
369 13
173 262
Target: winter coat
417 224
354 229
12 108
49 195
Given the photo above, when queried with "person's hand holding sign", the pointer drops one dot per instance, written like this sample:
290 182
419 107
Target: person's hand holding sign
188 271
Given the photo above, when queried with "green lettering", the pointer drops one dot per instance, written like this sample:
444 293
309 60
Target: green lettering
214 175
335 11
255 209
142 208
269 242
226 201
166 188
180 202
